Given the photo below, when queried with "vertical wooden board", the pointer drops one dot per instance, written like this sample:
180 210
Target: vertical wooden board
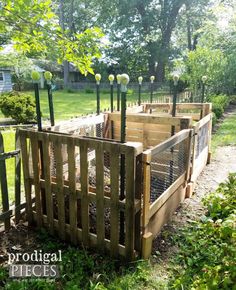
17 178
59 181
146 188
36 169
26 173
129 202
188 149
72 189
84 192
138 194
100 224
115 171
4 187
48 188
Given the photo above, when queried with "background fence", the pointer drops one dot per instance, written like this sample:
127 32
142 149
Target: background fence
7 211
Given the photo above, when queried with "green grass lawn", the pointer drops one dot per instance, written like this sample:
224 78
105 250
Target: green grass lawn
71 104
226 133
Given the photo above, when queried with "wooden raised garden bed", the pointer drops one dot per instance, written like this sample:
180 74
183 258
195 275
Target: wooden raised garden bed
84 194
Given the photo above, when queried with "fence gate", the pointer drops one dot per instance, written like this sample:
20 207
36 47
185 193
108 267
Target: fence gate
6 212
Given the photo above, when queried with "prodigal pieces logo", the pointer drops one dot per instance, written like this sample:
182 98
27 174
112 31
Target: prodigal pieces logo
36 264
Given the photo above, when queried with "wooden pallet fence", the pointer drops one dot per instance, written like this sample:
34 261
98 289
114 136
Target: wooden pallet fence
74 209
148 129
8 212
156 213
194 110
201 146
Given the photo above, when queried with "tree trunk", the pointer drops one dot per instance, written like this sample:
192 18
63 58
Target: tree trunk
65 63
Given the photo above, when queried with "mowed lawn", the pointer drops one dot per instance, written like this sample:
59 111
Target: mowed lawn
9 145
71 104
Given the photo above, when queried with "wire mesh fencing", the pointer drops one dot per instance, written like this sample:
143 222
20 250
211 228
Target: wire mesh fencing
167 167
202 139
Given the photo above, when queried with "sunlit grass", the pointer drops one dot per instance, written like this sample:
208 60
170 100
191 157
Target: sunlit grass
226 133
71 104
9 145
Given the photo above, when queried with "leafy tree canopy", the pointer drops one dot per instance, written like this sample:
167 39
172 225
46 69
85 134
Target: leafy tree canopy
33 27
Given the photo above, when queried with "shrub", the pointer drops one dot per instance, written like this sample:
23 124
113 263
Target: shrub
19 106
207 248
219 104
217 109
233 99
89 91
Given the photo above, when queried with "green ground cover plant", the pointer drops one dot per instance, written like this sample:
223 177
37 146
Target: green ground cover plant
207 252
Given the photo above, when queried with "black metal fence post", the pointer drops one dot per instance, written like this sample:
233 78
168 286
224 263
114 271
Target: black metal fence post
98 127
36 76
118 78
152 78
124 83
175 79
204 79
140 79
48 77
111 79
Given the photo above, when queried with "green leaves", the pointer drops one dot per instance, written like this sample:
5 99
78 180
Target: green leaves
34 28
207 249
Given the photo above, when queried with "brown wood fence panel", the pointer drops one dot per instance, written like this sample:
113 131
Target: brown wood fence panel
74 194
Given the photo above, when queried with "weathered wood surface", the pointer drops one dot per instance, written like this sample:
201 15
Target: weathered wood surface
75 188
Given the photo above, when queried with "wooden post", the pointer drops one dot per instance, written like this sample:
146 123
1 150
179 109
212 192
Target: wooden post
146 236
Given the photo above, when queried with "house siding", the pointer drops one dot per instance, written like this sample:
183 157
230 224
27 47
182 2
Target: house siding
6 84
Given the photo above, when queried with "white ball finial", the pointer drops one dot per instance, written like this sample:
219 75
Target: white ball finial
140 80
111 79
98 78
35 75
118 77
175 79
124 82
152 78
204 79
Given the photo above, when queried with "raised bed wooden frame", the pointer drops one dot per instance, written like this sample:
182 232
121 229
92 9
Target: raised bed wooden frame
143 218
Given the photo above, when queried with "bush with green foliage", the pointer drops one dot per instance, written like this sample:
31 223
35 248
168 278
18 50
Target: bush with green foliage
219 104
207 248
19 106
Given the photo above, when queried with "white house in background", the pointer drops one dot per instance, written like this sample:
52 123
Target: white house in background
5 80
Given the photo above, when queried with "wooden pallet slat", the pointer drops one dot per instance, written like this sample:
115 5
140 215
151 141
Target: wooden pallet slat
84 192
36 169
26 173
129 207
48 188
73 206
100 223
115 172
59 179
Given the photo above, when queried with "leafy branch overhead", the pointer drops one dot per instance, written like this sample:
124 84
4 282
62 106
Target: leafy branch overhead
34 28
